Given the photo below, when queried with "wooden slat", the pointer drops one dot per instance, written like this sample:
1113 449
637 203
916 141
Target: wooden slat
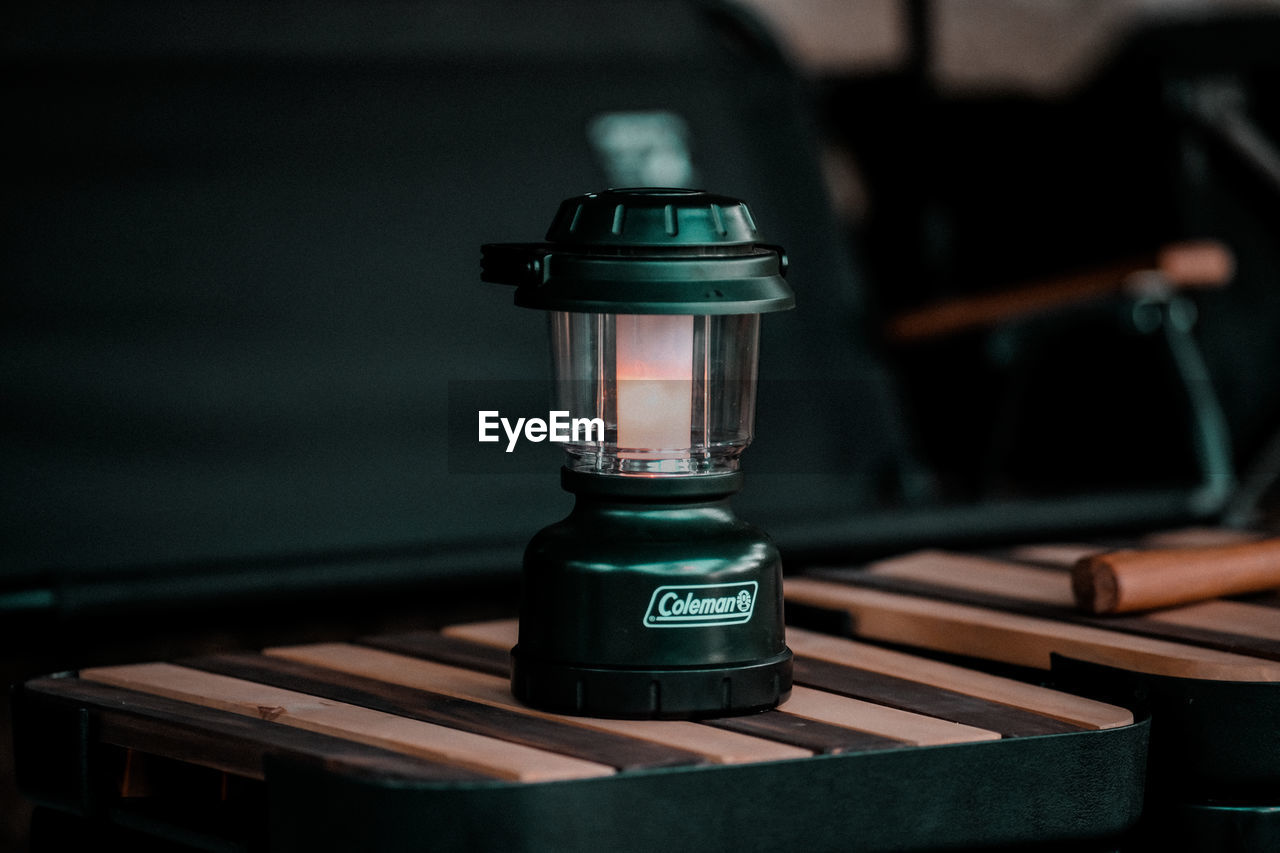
719 746
456 650
1266 599
499 635
1198 537
979 574
1237 627
1058 554
811 704
1017 639
620 752
232 743
894 692
1075 710
862 717
822 738
377 728
496 633
1243 618
1065 554
916 729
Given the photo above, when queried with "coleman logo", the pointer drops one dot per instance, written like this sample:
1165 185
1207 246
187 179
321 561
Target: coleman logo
701 605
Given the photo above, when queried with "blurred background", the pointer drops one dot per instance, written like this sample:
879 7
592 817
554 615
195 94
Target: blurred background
1035 247
977 148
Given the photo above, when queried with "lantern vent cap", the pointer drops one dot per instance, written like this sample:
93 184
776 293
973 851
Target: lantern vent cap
646 250
654 217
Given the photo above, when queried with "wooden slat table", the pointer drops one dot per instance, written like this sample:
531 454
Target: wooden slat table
413 741
1208 673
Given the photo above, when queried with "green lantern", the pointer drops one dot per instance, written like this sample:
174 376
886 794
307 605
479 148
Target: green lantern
652 599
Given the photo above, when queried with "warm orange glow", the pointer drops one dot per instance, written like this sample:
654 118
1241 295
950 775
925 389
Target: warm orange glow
655 383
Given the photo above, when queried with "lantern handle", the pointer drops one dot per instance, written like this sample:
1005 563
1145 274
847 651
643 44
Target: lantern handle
512 263
783 261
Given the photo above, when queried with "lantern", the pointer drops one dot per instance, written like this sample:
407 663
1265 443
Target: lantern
652 599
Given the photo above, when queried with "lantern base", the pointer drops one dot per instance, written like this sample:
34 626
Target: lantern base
652 599
677 693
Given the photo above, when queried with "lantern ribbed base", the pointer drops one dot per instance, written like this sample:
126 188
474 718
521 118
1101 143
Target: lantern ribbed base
651 600
629 693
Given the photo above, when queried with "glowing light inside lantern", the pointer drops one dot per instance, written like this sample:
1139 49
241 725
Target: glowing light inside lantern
655 385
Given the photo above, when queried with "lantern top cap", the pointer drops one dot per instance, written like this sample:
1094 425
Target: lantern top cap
646 250
653 217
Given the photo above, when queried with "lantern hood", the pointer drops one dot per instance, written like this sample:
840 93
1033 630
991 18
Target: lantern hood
646 251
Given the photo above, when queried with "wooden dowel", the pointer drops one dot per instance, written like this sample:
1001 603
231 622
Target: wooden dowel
1125 581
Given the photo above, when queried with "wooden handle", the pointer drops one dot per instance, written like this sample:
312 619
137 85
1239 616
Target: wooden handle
1124 581
1193 264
